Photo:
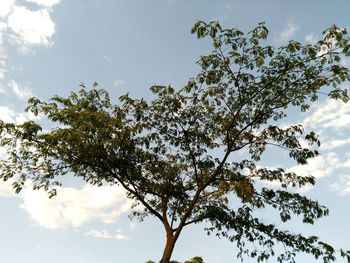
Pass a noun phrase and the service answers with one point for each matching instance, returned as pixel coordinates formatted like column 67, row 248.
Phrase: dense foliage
column 178, row 155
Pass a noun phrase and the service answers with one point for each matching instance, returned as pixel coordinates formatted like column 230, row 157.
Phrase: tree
column 177, row 155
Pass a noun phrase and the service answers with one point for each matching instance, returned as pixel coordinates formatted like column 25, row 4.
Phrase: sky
column 49, row 47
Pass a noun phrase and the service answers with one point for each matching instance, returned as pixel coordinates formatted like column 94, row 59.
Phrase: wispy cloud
column 342, row 186
column 331, row 119
column 331, row 114
column 118, row 82
column 3, row 55
column 289, row 31
column 106, row 58
column 332, row 143
column 105, row 234
column 311, row 38
column 132, row 226
column 21, row 91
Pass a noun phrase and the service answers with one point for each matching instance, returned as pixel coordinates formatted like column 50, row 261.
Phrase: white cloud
column 132, row 226
column 31, row 27
column 346, row 162
column 334, row 143
column 119, row 236
column 289, row 31
column 45, row 3
column 3, row 55
column 6, row 189
column 6, row 114
column 331, row 119
column 107, row 58
column 9, row 115
column 22, row 92
column 311, row 38
column 320, row 166
column 99, row 233
column 24, row 27
column 5, row 7
column 105, row 234
column 118, row 83
column 72, row 207
column 332, row 114
column 342, row 187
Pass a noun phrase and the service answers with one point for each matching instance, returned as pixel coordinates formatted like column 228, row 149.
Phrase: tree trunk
column 168, row 250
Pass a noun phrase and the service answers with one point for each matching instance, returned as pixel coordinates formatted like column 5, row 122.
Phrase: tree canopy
column 179, row 155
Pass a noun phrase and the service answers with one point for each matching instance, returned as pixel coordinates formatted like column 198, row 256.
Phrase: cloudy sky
column 49, row 47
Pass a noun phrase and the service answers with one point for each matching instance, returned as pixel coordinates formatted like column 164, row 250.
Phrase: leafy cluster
column 178, row 154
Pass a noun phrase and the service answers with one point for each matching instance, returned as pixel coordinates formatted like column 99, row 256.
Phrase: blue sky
column 49, row 47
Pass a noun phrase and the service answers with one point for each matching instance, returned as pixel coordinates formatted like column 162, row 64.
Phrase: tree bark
column 168, row 250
